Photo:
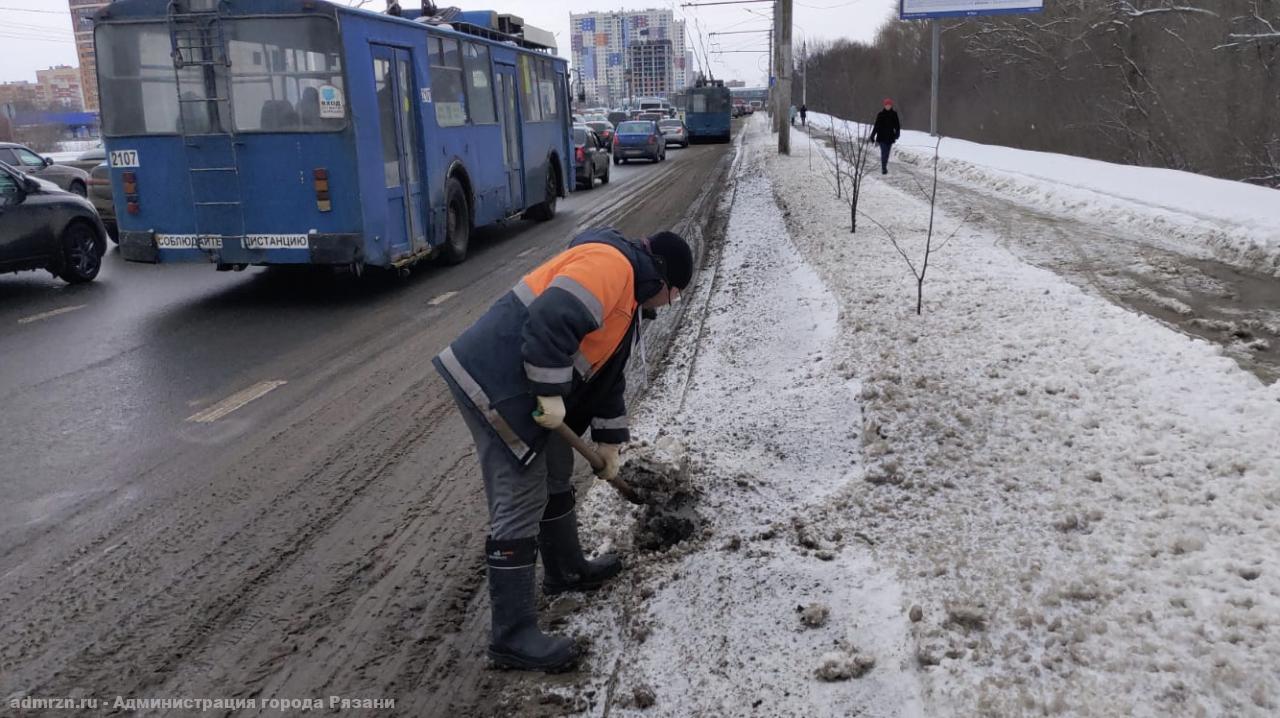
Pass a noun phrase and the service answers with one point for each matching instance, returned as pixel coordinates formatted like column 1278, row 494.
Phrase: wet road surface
column 254, row 484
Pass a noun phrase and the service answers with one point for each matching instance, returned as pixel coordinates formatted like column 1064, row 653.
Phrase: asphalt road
column 253, row 484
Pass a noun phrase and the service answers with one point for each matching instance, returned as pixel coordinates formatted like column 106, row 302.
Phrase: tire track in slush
column 335, row 486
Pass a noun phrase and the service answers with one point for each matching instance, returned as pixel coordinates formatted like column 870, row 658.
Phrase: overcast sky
column 35, row 34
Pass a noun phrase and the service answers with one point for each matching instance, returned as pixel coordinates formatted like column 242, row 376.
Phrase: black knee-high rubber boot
column 567, row 569
column 517, row 642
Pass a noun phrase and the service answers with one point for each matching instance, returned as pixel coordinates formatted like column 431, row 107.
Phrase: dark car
column 88, row 159
column 675, row 132
column 591, row 160
column 43, row 227
column 27, row 161
column 100, row 196
column 636, row 139
column 603, row 130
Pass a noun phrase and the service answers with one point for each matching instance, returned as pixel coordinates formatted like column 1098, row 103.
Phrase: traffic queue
column 638, row 135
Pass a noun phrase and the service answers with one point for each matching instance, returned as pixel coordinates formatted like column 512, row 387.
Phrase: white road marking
column 441, row 299
column 525, row 252
column 53, row 313
column 235, row 401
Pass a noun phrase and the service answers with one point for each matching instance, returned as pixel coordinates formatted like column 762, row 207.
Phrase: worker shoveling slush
column 546, row 362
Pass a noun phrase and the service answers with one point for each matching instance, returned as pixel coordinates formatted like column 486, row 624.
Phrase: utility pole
column 804, row 79
column 768, row 82
column 784, row 80
column 933, row 99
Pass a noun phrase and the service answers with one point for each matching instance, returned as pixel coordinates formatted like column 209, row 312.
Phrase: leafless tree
column 858, row 141
column 921, row 271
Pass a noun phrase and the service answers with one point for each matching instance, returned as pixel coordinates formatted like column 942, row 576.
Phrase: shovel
column 597, row 463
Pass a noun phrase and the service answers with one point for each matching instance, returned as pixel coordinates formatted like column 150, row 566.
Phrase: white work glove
column 612, row 461
column 550, row 413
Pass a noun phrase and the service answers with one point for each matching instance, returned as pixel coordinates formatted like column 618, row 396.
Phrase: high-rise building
column 651, row 68
column 60, row 87
column 82, row 13
column 23, row 94
column 605, row 47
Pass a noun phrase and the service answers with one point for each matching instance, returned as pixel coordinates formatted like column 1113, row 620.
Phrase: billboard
column 922, row 9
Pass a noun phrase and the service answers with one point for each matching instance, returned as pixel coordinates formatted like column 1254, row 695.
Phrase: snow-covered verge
column 1232, row 222
column 1025, row 501
column 717, row 625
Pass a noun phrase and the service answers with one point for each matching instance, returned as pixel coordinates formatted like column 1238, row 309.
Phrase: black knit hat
column 674, row 258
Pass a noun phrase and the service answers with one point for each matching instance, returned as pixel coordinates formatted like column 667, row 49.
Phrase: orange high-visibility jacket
column 565, row 329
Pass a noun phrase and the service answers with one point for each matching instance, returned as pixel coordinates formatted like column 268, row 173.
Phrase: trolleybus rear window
column 285, row 76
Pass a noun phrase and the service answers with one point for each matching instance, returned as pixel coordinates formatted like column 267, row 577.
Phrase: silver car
column 88, row 159
column 675, row 132
column 28, row 162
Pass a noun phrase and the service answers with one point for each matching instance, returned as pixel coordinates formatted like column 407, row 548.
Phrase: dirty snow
column 1025, row 501
column 1232, row 222
column 713, row 627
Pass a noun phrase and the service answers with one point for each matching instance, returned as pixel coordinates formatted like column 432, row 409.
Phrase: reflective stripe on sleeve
column 523, row 292
column 619, row 422
column 583, row 365
column 549, row 375
column 584, row 295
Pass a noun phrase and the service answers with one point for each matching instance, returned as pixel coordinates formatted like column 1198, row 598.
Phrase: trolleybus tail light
column 320, row 177
column 131, row 192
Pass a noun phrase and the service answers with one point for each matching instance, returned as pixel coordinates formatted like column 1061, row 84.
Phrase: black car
column 44, row 227
column 604, row 132
column 590, row 159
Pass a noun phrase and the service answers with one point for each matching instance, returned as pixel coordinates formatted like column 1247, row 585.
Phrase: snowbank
column 1230, row 221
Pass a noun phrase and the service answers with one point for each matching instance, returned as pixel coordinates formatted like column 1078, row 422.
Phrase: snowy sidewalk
column 1025, row 501
column 771, row 420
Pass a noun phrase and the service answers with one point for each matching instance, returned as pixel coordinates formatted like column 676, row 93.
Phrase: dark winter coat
column 565, row 329
column 887, row 128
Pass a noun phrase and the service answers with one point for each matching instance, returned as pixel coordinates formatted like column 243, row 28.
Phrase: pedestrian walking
column 886, row 131
column 553, row 351
column 792, row 115
column 804, row 110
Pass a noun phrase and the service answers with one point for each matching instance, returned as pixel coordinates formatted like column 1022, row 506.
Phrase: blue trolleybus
column 708, row 107
column 253, row 132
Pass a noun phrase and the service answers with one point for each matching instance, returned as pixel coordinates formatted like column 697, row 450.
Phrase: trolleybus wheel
column 546, row 210
column 458, row 223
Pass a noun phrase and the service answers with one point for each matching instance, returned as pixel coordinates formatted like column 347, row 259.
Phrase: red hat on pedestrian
column 888, row 102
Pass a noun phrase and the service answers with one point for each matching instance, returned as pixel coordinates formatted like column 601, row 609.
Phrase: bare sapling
column 835, row 145
column 856, row 169
column 919, row 272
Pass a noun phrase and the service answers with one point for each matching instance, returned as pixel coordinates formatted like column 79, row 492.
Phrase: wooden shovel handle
column 582, row 447
column 597, row 463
